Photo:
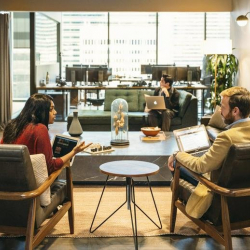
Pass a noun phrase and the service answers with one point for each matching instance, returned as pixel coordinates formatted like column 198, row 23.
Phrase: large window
column 218, row 25
column 132, row 42
column 46, row 40
column 139, row 38
column 21, row 56
column 180, row 38
column 85, row 39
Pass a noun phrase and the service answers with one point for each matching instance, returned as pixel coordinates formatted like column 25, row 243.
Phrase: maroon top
column 36, row 138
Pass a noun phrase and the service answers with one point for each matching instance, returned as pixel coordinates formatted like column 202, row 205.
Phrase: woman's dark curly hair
column 36, row 110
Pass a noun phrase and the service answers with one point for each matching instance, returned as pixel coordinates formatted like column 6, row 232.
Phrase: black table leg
column 130, row 198
column 133, row 220
column 92, row 231
column 156, row 209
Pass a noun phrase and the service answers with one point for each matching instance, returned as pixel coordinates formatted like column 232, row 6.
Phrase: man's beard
column 228, row 119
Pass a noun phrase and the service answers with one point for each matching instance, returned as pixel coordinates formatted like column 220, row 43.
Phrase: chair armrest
column 34, row 193
column 215, row 188
column 205, row 119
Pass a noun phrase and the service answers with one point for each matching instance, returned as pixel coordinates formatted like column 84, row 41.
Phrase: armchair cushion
column 41, row 174
column 216, row 120
column 184, row 101
column 131, row 96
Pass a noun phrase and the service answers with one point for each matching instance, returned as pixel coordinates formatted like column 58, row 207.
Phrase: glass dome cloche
column 119, row 122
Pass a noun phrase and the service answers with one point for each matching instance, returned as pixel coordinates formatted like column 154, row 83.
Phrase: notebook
column 155, row 102
column 193, row 140
column 63, row 144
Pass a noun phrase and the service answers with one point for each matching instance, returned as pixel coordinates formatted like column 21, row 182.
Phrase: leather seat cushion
column 58, row 196
column 185, row 190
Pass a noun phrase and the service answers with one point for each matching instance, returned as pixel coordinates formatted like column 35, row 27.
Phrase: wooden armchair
column 231, row 202
column 20, row 209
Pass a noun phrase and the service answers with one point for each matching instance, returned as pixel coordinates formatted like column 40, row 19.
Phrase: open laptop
column 155, row 102
column 63, row 144
column 193, row 140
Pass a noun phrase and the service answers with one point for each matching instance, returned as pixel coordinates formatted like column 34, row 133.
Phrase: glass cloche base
column 119, row 142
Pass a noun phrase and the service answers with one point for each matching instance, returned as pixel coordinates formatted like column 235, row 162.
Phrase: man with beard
column 235, row 110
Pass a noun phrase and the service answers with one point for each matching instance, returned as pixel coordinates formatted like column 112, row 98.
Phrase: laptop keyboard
column 199, row 153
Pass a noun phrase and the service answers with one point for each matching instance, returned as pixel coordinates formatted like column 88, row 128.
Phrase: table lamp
column 217, row 47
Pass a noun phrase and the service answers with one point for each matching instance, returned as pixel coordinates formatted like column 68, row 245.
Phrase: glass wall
column 139, row 38
column 132, row 42
column 122, row 40
column 180, row 38
column 21, row 56
column 46, row 40
column 218, row 26
column 84, row 39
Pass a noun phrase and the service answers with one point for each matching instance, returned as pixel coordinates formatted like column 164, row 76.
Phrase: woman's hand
column 80, row 147
column 74, row 151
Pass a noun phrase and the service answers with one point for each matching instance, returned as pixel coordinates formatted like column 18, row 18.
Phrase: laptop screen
column 192, row 138
column 62, row 145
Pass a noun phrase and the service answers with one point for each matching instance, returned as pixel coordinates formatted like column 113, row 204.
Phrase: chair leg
column 71, row 216
column 175, row 191
column 30, row 225
column 226, row 224
column 173, row 214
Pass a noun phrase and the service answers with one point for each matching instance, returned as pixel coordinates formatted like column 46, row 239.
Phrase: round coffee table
column 128, row 169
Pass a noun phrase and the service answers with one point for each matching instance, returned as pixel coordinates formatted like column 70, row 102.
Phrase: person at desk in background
column 163, row 118
column 235, row 110
column 30, row 128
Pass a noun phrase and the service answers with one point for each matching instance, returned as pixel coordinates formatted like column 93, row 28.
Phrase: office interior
column 79, row 71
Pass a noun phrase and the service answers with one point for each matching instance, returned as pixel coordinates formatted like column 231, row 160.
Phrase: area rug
column 86, row 200
column 119, row 225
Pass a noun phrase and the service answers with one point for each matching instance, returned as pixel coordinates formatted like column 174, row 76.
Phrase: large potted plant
column 227, row 68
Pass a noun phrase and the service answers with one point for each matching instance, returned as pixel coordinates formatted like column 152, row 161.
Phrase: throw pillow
column 216, row 120
column 146, row 108
column 199, row 201
column 41, row 174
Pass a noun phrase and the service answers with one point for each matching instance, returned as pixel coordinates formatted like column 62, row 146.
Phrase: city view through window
column 121, row 40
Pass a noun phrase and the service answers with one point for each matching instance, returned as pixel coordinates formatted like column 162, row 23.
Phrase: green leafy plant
column 227, row 68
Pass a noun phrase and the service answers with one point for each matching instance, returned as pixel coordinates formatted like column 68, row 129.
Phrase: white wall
column 241, row 41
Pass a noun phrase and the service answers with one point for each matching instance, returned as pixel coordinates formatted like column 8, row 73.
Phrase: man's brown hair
column 238, row 97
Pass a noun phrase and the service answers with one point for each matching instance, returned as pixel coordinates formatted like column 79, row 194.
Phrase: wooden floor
column 126, row 243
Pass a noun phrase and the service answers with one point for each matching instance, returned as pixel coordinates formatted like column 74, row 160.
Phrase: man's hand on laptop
column 81, row 147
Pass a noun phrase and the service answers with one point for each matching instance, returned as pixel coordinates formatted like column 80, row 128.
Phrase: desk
column 192, row 88
column 128, row 169
column 74, row 92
